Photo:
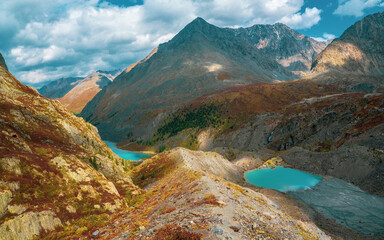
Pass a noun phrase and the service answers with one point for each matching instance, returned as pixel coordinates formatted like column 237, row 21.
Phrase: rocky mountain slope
column 289, row 48
column 357, row 56
column 85, row 89
column 59, row 87
column 200, row 59
column 54, row 169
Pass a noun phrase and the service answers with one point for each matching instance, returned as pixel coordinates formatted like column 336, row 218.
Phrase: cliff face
column 50, row 159
column 200, row 59
column 289, row 48
column 358, row 54
column 76, row 99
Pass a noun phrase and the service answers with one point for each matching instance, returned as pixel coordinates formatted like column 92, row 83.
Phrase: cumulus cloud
column 44, row 40
column 356, row 7
column 325, row 38
column 310, row 17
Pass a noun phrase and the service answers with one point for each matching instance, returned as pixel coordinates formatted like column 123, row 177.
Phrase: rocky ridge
column 289, row 48
column 184, row 198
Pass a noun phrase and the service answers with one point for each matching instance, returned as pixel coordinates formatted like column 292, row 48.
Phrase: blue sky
column 45, row 40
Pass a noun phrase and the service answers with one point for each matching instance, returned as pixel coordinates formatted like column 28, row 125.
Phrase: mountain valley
column 207, row 106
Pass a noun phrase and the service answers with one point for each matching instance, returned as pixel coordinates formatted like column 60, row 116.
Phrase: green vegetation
column 191, row 143
column 201, row 117
column 161, row 148
column 93, row 162
column 231, row 153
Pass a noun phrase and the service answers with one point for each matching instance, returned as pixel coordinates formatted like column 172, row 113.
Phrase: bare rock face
column 51, row 159
column 29, row 225
column 5, row 198
column 289, row 48
column 201, row 58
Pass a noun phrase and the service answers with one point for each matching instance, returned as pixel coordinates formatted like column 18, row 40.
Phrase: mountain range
column 58, row 88
column 76, row 92
column 328, row 110
column 201, row 58
column 212, row 103
column 84, row 91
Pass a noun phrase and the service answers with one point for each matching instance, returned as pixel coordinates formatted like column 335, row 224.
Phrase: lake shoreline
column 127, row 154
column 331, row 197
column 135, row 147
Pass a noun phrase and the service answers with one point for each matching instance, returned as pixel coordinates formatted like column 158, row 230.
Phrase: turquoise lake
column 282, row 179
column 335, row 199
column 127, row 155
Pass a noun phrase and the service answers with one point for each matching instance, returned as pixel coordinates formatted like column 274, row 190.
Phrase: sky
column 45, row 40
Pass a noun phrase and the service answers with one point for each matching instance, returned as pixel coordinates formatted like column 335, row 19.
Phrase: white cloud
column 43, row 40
column 326, row 37
column 356, row 7
column 310, row 17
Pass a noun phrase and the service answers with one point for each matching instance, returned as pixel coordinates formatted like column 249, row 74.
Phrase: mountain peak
column 199, row 20
column 191, row 32
column 2, row 62
column 197, row 25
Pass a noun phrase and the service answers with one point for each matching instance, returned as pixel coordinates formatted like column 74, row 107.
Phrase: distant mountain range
column 59, row 87
column 76, row 92
column 76, row 99
column 201, row 58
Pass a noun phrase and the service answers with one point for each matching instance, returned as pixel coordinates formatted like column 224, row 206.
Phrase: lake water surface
column 282, row 179
column 127, row 155
column 333, row 198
